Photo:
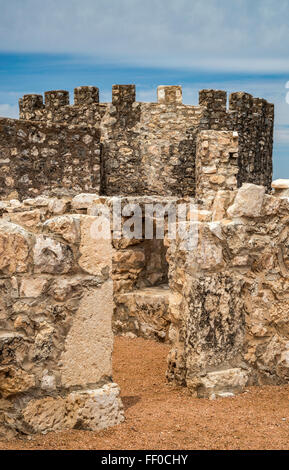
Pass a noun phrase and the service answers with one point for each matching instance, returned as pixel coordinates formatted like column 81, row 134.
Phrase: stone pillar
column 213, row 100
column 29, row 105
column 216, row 164
column 56, row 99
column 170, row 95
column 123, row 95
column 86, row 95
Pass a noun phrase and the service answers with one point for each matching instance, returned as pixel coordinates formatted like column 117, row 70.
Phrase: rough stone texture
column 42, row 157
column 144, row 312
column 55, row 323
column 248, row 202
column 92, row 410
column 230, row 312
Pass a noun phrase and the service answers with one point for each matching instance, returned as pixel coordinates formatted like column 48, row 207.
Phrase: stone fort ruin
column 223, row 306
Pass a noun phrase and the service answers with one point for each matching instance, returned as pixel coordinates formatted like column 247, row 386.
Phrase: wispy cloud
column 216, row 34
column 8, row 110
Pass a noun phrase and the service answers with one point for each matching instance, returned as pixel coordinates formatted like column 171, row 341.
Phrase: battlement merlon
column 30, row 103
column 170, row 94
column 56, row 99
column 86, row 95
column 123, row 95
column 213, row 100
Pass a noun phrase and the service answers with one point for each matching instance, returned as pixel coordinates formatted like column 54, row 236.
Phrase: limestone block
column 91, row 410
column 46, row 414
column 57, row 206
column 219, row 382
column 28, row 219
column 14, row 248
column 96, row 252
column 48, row 381
column 271, row 205
column 42, row 347
column 248, row 201
column 209, row 254
column 13, row 348
column 128, row 260
column 144, row 312
column 280, row 184
column 32, row 287
column 13, row 381
column 68, row 226
column 88, row 345
column 199, row 215
column 40, row 201
column 95, row 409
column 83, row 201
column 50, row 256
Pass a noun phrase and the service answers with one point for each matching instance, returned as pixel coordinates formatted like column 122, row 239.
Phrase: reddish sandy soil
column 159, row 416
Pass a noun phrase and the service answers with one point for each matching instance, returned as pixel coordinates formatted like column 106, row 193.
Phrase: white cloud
column 238, row 35
column 8, row 110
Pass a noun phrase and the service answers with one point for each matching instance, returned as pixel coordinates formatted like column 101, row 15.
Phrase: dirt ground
column 160, row 417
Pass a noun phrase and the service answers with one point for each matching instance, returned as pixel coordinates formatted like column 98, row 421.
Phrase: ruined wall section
column 43, row 157
column 55, row 320
column 230, row 297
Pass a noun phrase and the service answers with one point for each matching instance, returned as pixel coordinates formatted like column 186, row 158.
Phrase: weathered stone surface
column 55, row 158
column 144, row 312
column 147, row 148
column 83, row 201
column 96, row 252
column 13, row 381
column 50, row 256
column 32, row 287
column 248, row 202
column 14, row 248
column 67, row 226
column 280, row 184
column 87, row 355
column 28, row 219
column 56, row 308
column 13, row 348
column 92, row 410
column 219, row 382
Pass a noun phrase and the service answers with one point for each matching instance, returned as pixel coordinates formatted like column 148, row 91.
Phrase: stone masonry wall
column 216, row 164
column 150, row 148
column 48, row 158
column 55, row 320
column 229, row 301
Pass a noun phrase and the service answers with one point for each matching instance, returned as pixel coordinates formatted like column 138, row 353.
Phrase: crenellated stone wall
column 150, row 148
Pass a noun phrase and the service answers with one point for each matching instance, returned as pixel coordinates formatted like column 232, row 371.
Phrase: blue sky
column 237, row 45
